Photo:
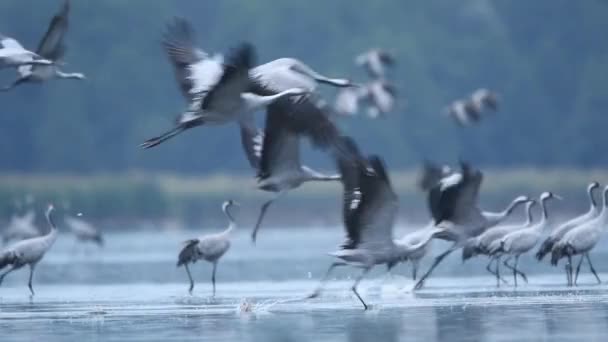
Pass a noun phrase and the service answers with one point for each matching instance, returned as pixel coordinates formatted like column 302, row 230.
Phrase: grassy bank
column 136, row 196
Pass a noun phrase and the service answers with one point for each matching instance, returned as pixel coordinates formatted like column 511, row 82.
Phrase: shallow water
column 131, row 290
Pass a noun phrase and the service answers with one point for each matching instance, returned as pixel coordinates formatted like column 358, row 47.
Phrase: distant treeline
column 546, row 58
column 154, row 198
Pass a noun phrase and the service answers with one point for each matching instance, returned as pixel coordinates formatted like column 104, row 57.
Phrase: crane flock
column 231, row 88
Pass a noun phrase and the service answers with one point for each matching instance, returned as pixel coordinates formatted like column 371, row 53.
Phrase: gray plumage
column 562, row 229
column 29, row 251
column 580, row 240
column 471, row 110
column 210, row 247
column 280, row 169
column 369, row 212
column 378, row 96
column 375, row 62
column 484, row 99
column 453, row 203
column 84, row 231
column 218, row 90
column 521, row 241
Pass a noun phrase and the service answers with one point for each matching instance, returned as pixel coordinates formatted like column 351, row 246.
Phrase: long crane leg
column 319, row 288
column 262, row 214
column 496, row 272
column 599, row 281
column 29, row 283
column 521, row 274
column 213, row 276
column 578, row 269
column 190, row 278
column 569, row 270
column 436, row 262
column 354, row 287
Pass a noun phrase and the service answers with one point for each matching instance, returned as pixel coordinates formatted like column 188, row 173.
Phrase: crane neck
column 51, row 222
column 50, row 237
column 592, row 202
column 254, row 102
column 231, row 222
column 604, row 212
column 499, row 217
column 68, row 75
column 529, row 217
column 404, row 249
column 308, row 71
column 543, row 207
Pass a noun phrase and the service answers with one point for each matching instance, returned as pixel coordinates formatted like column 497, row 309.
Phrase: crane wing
column 279, row 75
column 9, row 43
column 370, row 226
column 234, row 81
column 195, row 71
column 455, row 198
column 52, row 46
column 281, row 146
column 431, row 174
column 252, row 139
column 350, row 175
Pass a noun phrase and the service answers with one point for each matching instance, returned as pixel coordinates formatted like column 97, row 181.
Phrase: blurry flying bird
column 375, row 62
column 52, row 48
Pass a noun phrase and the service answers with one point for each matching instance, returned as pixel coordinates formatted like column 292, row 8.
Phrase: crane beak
column 558, row 197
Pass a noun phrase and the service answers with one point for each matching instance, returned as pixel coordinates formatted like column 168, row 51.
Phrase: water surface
column 131, row 290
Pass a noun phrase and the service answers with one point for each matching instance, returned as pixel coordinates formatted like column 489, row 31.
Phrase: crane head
column 592, row 186
column 548, row 194
column 229, row 203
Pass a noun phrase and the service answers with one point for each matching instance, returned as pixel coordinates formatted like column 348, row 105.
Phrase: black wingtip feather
column 379, row 167
column 188, row 253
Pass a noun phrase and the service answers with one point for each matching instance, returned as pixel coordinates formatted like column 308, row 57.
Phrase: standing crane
column 29, row 251
column 581, row 240
column 209, row 247
column 453, row 203
column 52, row 48
column 490, row 240
column 521, row 241
column 561, row 230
